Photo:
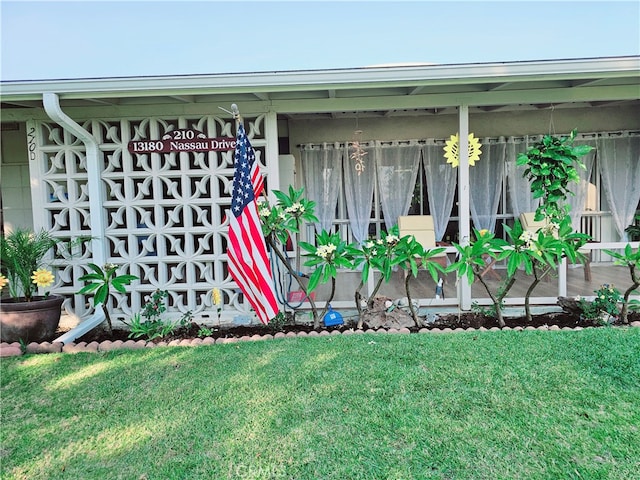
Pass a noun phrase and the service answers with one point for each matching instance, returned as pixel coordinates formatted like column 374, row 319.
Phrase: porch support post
column 271, row 153
column 562, row 277
column 464, row 288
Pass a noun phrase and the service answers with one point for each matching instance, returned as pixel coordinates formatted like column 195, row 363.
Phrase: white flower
column 295, row 208
column 264, row 212
column 392, row 239
column 324, row 251
column 527, row 236
column 369, row 244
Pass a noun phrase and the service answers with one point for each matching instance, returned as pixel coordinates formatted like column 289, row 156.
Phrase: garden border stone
column 15, row 349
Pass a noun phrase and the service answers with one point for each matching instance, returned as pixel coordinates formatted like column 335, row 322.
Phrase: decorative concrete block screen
column 164, row 214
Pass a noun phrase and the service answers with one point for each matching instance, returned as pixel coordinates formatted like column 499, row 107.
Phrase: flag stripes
column 247, row 252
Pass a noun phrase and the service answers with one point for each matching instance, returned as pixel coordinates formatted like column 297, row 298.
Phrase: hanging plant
column 452, row 150
column 551, row 166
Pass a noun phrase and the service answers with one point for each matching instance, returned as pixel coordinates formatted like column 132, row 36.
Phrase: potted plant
column 24, row 315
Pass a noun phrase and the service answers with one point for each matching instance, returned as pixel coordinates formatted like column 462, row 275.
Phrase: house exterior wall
column 188, row 258
column 165, row 214
column 512, row 123
column 15, row 183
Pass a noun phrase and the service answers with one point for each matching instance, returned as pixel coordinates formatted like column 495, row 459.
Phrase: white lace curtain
column 322, row 177
column 358, row 191
column 397, row 170
column 441, row 185
column 580, row 189
column 396, row 165
column 619, row 159
column 518, row 187
column 485, row 184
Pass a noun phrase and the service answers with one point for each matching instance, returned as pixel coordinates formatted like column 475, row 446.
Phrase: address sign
column 183, row 140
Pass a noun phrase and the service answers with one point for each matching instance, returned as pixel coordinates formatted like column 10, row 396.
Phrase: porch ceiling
column 380, row 91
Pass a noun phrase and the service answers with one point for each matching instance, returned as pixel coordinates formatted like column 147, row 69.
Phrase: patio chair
column 529, row 224
column 423, row 231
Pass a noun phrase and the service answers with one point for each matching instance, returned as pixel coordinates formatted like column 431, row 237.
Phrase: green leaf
column 513, row 263
column 365, row 272
column 96, row 269
column 314, row 280
column 124, row 279
column 88, row 288
column 313, row 261
column 307, row 247
column 581, row 150
column 91, row 276
column 101, row 294
column 433, row 270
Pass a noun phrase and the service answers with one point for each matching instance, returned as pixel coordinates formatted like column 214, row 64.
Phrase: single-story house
column 144, row 165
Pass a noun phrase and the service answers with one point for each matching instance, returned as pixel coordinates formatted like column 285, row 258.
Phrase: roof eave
column 363, row 77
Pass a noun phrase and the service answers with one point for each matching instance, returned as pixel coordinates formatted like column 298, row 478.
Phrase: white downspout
column 52, row 107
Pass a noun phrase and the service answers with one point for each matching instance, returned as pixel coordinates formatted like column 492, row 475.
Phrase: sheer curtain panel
column 581, row 188
column 441, row 185
column 518, row 187
column 397, row 169
column 358, row 191
column 619, row 158
column 485, row 182
column 322, row 175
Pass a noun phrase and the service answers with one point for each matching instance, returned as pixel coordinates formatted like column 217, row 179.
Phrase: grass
column 492, row 405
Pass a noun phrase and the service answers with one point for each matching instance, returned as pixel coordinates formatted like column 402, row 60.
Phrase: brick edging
column 15, row 349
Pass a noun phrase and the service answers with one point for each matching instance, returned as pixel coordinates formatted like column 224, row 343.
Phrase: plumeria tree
column 100, row 282
column 472, row 262
column 279, row 221
column 380, row 255
column 327, row 256
column 543, row 251
column 410, row 255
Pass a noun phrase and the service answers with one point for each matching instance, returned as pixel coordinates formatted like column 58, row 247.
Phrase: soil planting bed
column 446, row 321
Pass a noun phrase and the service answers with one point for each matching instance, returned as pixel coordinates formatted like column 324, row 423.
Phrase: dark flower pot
column 34, row 321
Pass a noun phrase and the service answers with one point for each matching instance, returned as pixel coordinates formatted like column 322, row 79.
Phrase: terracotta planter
column 35, row 321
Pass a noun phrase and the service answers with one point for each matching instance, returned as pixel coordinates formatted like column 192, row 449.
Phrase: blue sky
column 73, row 39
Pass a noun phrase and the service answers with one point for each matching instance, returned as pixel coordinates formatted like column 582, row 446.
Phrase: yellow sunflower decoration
column 452, row 150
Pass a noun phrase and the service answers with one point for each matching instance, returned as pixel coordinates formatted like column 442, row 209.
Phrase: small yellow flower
column 215, row 295
column 4, row 281
column 42, row 278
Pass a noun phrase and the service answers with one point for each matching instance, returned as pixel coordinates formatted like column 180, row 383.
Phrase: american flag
column 247, row 252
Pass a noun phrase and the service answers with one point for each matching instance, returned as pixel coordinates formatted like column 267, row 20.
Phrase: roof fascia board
column 478, row 99
column 324, row 79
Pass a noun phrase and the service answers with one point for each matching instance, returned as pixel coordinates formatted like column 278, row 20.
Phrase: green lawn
column 492, row 405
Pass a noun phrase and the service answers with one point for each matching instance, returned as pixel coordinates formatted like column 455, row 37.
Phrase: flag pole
column 235, row 113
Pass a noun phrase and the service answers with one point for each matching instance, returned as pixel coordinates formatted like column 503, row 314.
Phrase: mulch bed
column 446, row 321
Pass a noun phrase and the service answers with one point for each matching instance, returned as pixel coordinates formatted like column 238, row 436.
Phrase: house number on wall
column 183, row 140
